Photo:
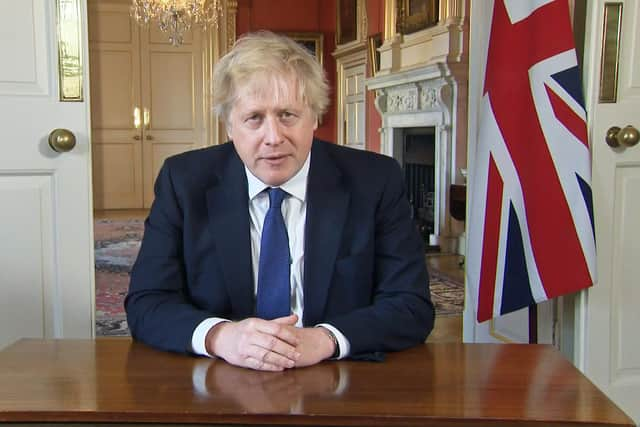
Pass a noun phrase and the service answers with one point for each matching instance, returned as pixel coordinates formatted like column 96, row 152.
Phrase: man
column 340, row 258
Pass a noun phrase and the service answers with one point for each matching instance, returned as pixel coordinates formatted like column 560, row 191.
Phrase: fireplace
column 418, row 108
column 417, row 159
column 421, row 84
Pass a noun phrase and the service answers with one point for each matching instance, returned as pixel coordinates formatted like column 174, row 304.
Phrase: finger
column 265, row 344
column 291, row 319
column 278, row 359
column 283, row 332
column 262, row 365
column 270, row 358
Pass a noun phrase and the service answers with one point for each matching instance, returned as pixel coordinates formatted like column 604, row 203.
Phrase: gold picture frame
column 374, row 42
column 416, row 15
column 313, row 42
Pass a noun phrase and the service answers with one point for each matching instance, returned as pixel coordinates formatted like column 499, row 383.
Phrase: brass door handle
column 137, row 137
column 62, row 140
column 149, row 137
column 628, row 136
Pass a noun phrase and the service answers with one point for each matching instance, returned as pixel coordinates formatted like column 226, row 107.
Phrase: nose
column 272, row 131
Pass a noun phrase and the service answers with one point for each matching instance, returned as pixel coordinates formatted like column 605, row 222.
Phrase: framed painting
column 313, row 42
column 416, row 15
column 347, row 28
column 374, row 42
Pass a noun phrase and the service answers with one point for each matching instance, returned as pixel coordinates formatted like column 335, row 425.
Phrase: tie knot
column 276, row 195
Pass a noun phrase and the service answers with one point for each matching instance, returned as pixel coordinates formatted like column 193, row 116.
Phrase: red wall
column 297, row 16
column 375, row 17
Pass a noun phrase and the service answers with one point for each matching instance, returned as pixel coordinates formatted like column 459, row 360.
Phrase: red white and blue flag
column 530, row 223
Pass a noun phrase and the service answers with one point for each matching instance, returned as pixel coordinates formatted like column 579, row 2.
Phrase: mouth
column 274, row 158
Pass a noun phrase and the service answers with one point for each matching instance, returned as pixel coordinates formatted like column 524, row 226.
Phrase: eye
column 253, row 120
column 288, row 117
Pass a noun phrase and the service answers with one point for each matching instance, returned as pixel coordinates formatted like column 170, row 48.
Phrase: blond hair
column 266, row 56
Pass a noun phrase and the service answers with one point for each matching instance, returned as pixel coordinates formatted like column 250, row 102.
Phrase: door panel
column 110, row 23
column 24, row 74
column 46, row 248
column 625, row 356
column 115, row 94
column 26, row 201
column 172, row 92
column 112, row 72
column 608, row 349
column 354, row 105
column 172, row 105
column 120, row 170
column 350, row 77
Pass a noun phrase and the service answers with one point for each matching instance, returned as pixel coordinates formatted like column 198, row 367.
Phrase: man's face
column 272, row 129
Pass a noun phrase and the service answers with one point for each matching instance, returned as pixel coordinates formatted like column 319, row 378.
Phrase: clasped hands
column 269, row 345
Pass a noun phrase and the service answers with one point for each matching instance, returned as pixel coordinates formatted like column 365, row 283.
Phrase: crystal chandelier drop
column 175, row 17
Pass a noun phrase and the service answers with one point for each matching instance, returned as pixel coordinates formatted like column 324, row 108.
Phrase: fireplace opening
column 418, row 162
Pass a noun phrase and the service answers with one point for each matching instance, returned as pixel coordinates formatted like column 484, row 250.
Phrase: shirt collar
column 296, row 186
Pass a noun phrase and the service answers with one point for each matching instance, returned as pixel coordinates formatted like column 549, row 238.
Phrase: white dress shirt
column 294, row 212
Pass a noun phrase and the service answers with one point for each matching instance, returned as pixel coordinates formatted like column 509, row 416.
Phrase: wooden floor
column 449, row 264
column 120, row 214
column 447, row 329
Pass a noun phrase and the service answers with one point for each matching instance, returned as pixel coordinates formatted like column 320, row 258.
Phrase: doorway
column 148, row 102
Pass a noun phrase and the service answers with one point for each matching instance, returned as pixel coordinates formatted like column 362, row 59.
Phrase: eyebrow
column 257, row 110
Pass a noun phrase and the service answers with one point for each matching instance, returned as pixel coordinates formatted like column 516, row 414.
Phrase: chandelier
column 175, row 17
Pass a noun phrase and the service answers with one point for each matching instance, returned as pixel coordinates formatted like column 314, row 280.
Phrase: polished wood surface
column 115, row 380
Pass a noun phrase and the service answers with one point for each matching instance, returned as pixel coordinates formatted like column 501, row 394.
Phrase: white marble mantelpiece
column 424, row 97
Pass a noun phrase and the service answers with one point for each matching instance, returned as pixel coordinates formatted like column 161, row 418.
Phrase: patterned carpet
column 116, row 247
column 117, row 244
column 447, row 294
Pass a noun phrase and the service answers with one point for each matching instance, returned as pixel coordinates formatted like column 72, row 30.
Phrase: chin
column 276, row 177
column 272, row 179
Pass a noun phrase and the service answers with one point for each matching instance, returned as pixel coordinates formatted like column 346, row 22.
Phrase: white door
column 608, row 345
column 351, row 96
column 46, row 268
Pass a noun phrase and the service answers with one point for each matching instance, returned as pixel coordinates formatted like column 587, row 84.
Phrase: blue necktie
column 274, row 295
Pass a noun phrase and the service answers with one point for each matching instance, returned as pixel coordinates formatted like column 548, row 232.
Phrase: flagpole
column 533, row 324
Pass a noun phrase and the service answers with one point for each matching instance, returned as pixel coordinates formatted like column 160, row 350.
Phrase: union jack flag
column 530, row 223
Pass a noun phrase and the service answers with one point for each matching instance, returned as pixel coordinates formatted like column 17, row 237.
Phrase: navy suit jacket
column 364, row 265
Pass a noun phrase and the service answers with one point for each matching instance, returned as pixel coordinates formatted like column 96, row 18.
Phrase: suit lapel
column 228, row 209
column 328, row 202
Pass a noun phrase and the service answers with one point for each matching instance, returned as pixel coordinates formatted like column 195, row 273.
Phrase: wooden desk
column 116, row 381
